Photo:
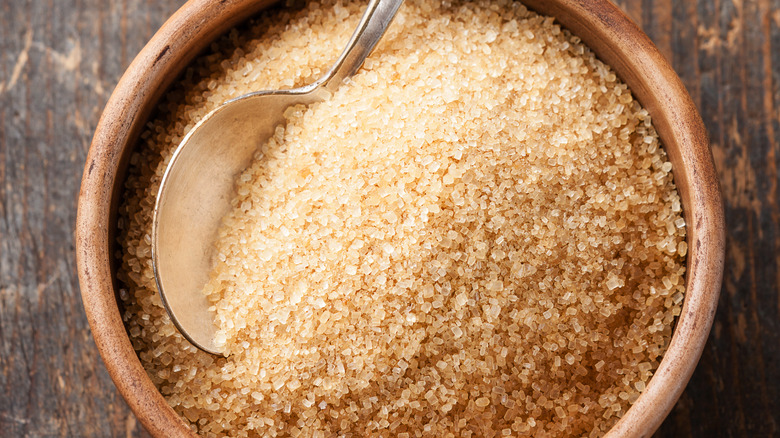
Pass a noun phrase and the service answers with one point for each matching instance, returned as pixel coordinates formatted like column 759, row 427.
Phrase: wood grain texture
column 59, row 60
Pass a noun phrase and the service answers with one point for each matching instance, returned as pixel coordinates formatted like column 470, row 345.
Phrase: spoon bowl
column 197, row 187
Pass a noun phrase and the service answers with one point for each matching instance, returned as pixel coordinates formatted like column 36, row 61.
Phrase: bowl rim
column 600, row 24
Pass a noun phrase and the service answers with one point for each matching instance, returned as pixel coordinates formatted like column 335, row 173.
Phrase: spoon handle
column 373, row 24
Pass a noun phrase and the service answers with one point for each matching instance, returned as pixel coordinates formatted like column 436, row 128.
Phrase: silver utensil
column 198, row 185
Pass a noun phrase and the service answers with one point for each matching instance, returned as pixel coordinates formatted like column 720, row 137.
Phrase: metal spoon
column 198, row 185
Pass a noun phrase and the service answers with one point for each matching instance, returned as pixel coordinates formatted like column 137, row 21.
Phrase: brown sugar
column 477, row 236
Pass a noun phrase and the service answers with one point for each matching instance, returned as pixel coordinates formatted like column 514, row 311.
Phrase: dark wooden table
column 60, row 59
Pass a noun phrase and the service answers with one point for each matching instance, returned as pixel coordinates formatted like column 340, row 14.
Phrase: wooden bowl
column 600, row 24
